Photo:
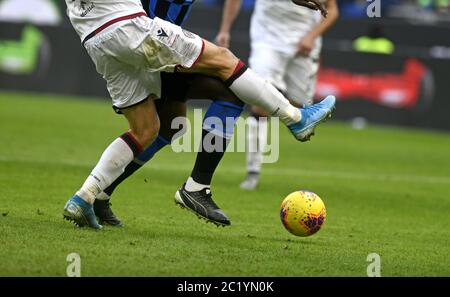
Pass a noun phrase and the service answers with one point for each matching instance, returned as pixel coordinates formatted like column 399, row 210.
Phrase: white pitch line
column 426, row 179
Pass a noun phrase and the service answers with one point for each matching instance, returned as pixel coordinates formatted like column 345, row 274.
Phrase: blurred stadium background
column 391, row 70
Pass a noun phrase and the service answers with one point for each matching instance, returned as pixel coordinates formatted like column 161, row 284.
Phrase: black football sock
column 206, row 162
column 218, row 129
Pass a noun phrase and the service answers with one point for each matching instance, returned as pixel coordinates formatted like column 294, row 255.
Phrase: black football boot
column 202, row 205
column 104, row 213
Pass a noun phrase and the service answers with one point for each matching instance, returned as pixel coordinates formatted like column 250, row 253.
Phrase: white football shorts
column 130, row 54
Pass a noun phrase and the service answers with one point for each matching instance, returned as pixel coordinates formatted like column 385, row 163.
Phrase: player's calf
column 144, row 122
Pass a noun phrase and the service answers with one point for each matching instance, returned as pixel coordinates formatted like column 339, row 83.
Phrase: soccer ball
column 303, row 213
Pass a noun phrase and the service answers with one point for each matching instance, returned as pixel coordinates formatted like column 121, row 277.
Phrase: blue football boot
column 311, row 117
column 80, row 213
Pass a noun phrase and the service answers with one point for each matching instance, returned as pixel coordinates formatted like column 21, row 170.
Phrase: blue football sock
column 156, row 145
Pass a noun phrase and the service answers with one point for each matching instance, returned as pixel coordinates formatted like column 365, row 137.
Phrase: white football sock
column 257, row 139
column 111, row 165
column 193, row 186
column 254, row 90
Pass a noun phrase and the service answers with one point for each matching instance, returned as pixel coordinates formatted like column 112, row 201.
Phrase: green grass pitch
column 386, row 192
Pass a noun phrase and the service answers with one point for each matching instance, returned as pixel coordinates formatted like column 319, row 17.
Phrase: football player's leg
column 225, row 106
column 244, row 82
column 301, row 76
column 271, row 65
column 226, row 109
column 256, row 140
column 254, row 90
column 167, row 111
column 130, row 88
column 217, row 131
column 180, row 47
column 144, row 125
column 171, row 105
